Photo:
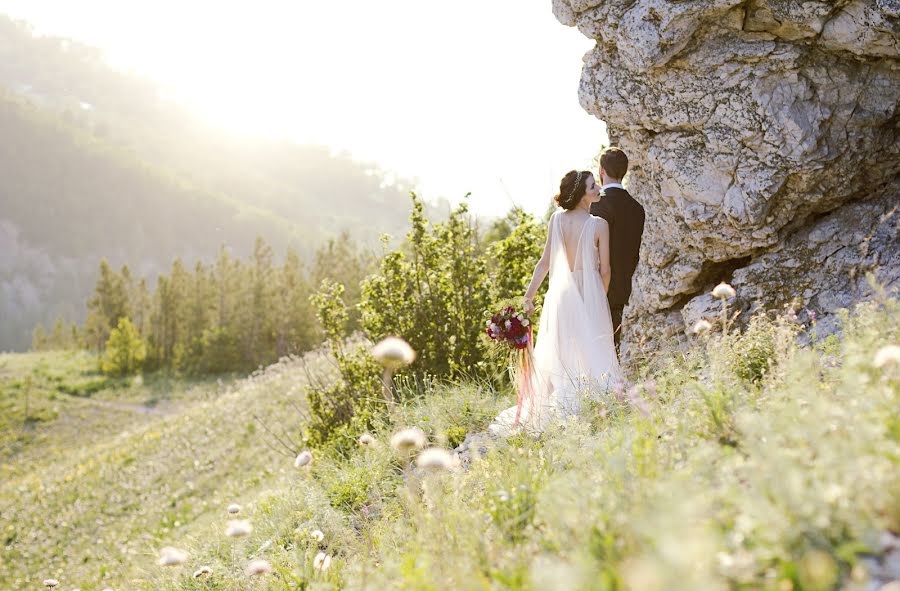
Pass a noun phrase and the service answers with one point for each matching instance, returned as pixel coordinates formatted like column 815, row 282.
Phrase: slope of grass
column 744, row 463
column 100, row 492
column 51, row 402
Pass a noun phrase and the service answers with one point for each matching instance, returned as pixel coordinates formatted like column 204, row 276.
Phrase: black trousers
column 617, row 324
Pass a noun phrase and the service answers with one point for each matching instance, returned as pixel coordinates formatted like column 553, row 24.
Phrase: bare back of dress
column 574, row 354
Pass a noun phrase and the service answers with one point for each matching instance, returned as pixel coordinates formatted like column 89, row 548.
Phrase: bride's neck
column 583, row 206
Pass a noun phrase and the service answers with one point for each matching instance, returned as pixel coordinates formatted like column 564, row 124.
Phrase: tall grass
column 746, row 462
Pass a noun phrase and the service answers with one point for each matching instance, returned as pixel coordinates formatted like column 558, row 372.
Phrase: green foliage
column 433, row 294
column 125, row 351
column 753, row 352
column 511, row 260
column 339, row 412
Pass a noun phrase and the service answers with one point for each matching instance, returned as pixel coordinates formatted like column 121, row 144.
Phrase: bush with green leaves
column 125, row 351
column 434, row 293
column 338, row 412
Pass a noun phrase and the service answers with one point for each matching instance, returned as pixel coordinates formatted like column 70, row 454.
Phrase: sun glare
column 469, row 96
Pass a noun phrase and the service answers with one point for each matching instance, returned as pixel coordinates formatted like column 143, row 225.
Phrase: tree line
column 231, row 315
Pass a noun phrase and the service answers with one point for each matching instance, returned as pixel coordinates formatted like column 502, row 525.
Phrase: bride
column 574, row 355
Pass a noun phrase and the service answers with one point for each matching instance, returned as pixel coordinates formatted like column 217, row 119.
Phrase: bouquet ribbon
column 523, row 361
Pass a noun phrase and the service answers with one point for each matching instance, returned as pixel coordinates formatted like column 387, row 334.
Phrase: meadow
column 747, row 461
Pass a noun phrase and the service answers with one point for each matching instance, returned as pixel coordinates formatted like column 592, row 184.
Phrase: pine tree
column 125, row 351
column 109, row 303
column 39, row 337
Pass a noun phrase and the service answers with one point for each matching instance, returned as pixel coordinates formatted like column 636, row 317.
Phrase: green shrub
column 433, row 293
column 340, row 412
column 125, row 351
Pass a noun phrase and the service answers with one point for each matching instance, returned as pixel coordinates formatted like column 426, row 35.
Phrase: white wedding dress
column 574, row 354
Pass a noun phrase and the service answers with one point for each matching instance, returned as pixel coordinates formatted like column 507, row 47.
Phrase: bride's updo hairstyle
column 571, row 189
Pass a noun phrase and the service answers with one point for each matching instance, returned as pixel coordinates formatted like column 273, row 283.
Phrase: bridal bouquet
column 511, row 330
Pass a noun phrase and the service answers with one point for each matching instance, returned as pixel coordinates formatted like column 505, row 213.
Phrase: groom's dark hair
column 614, row 161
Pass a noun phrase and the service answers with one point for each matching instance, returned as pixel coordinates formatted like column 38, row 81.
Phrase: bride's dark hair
column 571, row 189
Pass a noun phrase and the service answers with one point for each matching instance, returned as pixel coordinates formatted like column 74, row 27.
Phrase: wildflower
column 303, row 459
column 317, row 535
column 259, row 567
column 393, row 353
column 887, row 355
column 366, row 440
column 170, row 556
column 238, row 528
column 51, row 583
column 203, row 571
column 435, row 458
column 724, row 291
column 321, row 562
column 811, row 314
column 701, row 327
column 234, row 508
column 408, row 439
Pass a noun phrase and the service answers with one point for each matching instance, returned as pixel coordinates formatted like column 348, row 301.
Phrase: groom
column 626, row 225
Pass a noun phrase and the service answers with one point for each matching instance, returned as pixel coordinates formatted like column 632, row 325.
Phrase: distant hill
column 93, row 163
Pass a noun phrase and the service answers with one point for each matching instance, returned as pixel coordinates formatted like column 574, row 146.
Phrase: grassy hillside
column 711, row 474
column 91, row 485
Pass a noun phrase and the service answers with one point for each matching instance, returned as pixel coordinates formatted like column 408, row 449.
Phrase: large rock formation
column 764, row 141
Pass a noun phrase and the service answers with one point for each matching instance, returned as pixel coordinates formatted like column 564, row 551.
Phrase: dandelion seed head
column 701, row 327
column 234, row 508
column 170, row 556
column 317, row 535
column 51, row 583
column 724, row 291
column 393, row 353
column 435, row 458
column 238, row 528
column 366, row 440
column 406, row 440
column 203, row 571
column 304, row 458
column 259, row 567
column 321, row 562
column 887, row 355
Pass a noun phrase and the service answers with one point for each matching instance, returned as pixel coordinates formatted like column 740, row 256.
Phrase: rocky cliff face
column 764, row 140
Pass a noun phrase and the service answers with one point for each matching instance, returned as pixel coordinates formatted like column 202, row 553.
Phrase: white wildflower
column 701, row 327
column 259, row 567
column 435, row 458
column 203, row 571
column 238, row 528
column 724, row 291
column 393, row 353
column 170, row 556
column 51, row 583
column 887, row 355
column 234, row 508
column 508, row 324
column 317, row 535
column 321, row 562
column 303, row 459
column 408, row 439
column 366, row 440
column 526, row 322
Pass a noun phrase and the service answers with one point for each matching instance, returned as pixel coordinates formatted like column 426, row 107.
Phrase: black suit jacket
column 626, row 226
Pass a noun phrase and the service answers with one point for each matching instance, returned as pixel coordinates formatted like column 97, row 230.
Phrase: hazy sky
column 471, row 95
